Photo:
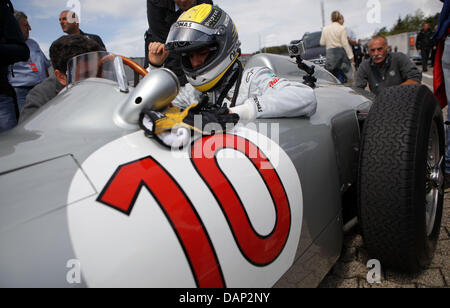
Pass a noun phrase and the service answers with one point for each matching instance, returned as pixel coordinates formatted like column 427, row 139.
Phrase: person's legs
column 7, row 113
column 425, row 57
column 21, row 94
column 339, row 75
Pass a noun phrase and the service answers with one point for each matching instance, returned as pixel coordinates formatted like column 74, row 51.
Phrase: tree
column 410, row 23
column 382, row 32
column 279, row 50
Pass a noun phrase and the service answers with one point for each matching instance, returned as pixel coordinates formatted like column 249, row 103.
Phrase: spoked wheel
column 435, row 179
column 400, row 185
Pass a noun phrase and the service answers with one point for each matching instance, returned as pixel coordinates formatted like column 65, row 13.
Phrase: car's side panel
column 23, row 190
column 311, row 149
column 77, row 122
column 310, row 269
column 346, row 137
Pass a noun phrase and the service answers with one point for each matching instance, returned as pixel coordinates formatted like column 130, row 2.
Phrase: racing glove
column 209, row 119
column 155, row 125
column 174, row 127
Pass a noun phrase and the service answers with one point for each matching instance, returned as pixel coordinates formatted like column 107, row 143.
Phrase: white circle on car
column 227, row 212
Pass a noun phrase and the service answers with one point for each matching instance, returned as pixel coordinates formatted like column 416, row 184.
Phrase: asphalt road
column 427, row 78
column 351, row 271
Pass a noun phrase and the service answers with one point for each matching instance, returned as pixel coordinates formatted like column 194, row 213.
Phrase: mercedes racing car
column 88, row 200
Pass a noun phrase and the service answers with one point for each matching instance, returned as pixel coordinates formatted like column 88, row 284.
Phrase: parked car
column 88, row 200
column 314, row 51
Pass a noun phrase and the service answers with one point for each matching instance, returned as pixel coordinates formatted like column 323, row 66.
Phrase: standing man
column 385, row 69
column 25, row 75
column 424, row 44
column 70, row 24
column 161, row 14
column 12, row 49
column 339, row 52
column 358, row 53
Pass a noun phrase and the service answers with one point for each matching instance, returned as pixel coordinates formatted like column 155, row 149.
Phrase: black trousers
column 425, row 57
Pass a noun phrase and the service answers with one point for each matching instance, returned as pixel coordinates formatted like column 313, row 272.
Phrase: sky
column 260, row 23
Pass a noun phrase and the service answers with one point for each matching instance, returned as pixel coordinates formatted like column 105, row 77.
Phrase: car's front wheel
column 400, row 197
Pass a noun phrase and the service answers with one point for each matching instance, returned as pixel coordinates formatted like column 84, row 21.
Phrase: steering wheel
column 128, row 62
column 134, row 66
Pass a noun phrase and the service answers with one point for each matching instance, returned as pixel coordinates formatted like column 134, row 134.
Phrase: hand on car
column 157, row 53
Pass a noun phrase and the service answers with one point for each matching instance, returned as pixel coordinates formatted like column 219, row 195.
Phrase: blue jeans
column 21, row 94
column 339, row 74
column 446, row 69
column 7, row 113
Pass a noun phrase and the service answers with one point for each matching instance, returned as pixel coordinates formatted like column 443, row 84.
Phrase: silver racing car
column 88, row 200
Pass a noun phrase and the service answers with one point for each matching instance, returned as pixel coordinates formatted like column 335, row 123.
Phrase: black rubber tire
column 392, row 178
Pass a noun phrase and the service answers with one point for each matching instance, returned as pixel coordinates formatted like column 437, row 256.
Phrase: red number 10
column 124, row 186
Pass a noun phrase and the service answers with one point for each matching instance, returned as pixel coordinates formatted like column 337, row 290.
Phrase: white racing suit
column 261, row 95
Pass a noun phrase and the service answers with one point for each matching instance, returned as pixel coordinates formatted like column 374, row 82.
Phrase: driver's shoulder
column 257, row 73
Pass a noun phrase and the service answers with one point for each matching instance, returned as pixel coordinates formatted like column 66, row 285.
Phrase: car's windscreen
column 98, row 64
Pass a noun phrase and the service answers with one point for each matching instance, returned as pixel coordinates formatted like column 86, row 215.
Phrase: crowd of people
column 373, row 64
column 26, row 82
column 31, row 85
column 378, row 67
column 201, row 66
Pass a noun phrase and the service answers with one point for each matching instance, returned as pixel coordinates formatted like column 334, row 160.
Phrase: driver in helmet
column 207, row 40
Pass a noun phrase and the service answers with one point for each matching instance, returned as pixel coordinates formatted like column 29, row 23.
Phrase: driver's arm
column 270, row 96
column 408, row 70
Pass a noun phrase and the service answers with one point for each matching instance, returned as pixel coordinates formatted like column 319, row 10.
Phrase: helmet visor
column 184, row 36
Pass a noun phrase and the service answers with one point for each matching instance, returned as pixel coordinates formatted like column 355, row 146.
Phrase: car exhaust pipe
column 155, row 91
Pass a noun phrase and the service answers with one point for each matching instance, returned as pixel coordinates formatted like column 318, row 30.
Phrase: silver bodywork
column 39, row 159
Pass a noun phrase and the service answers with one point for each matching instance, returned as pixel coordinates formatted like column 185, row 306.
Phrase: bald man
column 385, row 69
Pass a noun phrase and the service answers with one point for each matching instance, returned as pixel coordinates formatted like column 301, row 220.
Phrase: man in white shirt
column 339, row 52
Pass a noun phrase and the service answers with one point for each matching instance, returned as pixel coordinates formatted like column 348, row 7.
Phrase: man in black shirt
column 424, row 44
column 12, row 49
column 161, row 14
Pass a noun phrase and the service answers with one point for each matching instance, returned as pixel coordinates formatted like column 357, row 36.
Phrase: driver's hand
column 157, row 53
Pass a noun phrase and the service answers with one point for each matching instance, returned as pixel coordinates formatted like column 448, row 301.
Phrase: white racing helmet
column 202, row 26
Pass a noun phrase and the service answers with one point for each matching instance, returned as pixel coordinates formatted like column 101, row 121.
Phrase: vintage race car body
column 82, row 190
